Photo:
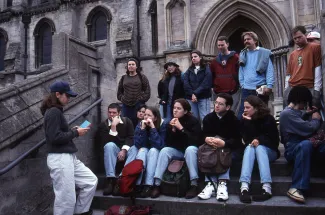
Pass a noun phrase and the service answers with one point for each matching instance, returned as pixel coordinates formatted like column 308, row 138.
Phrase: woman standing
column 261, row 137
column 149, row 138
column 171, row 89
column 197, row 86
column 67, row 172
column 133, row 90
column 183, row 137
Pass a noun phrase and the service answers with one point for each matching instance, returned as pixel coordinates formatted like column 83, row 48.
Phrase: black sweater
column 125, row 134
column 228, row 127
column 264, row 130
column 58, row 135
column 192, row 135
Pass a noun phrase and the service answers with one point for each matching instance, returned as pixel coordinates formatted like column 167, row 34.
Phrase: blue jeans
column 149, row 158
column 131, row 112
column 214, row 178
column 264, row 156
column 166, row 155
column 200, row 108
column 244, row 94
column 168, row 115
column 110, row 157
column 301, row 153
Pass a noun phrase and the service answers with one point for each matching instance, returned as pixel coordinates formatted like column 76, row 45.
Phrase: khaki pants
column 69, row 173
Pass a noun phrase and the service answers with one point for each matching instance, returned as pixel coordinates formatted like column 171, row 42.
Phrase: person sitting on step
column 221, row 122
column 115, row 135
column 261, row 137
column 295, row 131
column 140, row 113
column 183, row 137
column 149, row 138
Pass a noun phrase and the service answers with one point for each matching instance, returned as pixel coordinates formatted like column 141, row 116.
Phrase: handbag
column 214, row 160
column 128, row 210
column 176, row 179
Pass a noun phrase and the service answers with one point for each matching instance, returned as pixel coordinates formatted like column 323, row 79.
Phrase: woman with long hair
column 141, row 109
column 171, row 88
column 183, row 137
column 66, row 170
column 149, row 138
column 197, row 85
column 133, row 90
column 261, row 137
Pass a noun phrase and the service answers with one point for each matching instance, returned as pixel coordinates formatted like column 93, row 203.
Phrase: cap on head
column 170, row 62
column 62, row 87
column 313, row 35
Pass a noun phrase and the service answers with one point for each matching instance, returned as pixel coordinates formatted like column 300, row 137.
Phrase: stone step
column 280, row 185
column 164, row 205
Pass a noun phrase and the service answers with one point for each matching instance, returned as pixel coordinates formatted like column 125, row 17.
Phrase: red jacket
column 225, row 77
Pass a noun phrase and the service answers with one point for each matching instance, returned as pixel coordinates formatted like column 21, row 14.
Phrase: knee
column 249, row 149
column 153, row 152
column 191, row 150
column 109, row 146
column 132, row 150
column 305, row 146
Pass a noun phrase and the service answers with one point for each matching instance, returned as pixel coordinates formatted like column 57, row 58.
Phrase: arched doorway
column 235, row 42
column 231, row 17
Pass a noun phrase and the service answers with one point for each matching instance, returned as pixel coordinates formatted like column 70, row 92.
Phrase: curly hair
column 261, row 108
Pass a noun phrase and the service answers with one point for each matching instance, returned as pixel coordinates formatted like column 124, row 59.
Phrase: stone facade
column 165, row 29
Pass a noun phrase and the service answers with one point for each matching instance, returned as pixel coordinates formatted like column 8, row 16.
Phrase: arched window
column 154, row 26
column 43, row 42
column 3, row 45
column 98, row 24
column 9, row 3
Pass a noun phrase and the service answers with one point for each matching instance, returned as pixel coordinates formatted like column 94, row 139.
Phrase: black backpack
column 176, row 179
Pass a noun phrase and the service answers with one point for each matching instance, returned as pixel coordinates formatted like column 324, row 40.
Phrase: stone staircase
column 279, row 204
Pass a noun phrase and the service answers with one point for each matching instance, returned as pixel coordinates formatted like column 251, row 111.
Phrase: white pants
column 69, row 173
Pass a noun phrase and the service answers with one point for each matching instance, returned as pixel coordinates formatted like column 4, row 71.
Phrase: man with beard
column 256, row 73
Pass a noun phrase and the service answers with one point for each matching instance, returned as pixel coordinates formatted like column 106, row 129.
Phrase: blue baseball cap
column 62, row 87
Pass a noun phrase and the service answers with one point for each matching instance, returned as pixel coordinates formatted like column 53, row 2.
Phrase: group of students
column 184, row 122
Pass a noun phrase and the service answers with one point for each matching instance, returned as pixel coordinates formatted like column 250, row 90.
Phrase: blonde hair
column 251, row 34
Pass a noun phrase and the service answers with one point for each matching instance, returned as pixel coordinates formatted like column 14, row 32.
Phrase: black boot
column 108, row 189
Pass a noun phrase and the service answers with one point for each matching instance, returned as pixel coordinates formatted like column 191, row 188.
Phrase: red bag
column 130, row 173
column 128, row 210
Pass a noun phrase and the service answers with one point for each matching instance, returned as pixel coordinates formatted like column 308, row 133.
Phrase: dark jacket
column 191, row 136
column 225, row 77
column 150, row 138
column 57, row 132
column 198, row 84
column 264, row 130
column 124, row 137
column 228, row 127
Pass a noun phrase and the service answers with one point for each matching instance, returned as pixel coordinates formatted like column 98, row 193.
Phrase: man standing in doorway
column 224, row 70
column 304, row 67
column 256, row 73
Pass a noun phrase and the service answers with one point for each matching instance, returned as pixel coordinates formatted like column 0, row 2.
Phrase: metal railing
column 42, row 142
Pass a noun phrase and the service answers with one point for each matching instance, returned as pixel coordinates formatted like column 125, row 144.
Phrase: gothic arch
column 40, row 24
column 91, row 26
column 274, row 26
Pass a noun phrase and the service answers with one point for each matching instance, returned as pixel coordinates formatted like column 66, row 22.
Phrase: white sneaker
column 222, row 192
column 207, row 192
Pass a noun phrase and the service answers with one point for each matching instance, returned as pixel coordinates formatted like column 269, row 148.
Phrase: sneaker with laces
column 207, row 192
column 222, row 191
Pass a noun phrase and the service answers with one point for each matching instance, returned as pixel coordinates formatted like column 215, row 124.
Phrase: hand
column 255, row 143
column 82, row 131
column 246, row 117
column 150, row 123
column 194, row 99
column 121, row 155
column 209, row 141
column 219, row 142
column 316, row 115
column 143, row 124
column 163, row 102
column 116, row 120
column 267, row 91
column 177, row 124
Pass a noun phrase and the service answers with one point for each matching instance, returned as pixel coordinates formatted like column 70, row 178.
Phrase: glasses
column 219, row 103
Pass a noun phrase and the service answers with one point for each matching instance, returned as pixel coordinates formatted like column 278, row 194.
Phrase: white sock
column 267, row 187
column 244, row 186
